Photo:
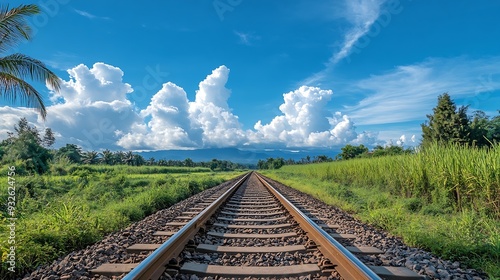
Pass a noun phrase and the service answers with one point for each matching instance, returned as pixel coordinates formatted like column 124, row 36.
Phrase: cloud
column 170, row 125
column 11, row 117
column 408, row 93
column 212, row 114
column 206, row 122
column 246, row 38
column 89, row 15
column 92, row 110
column 177, row 123
column 102, row 83
column 361, row 14
column 305, row 122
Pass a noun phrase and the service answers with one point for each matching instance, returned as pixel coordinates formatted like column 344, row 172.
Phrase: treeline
column 30, row 151
column 276, row 163
column 76, row 155
column 348, row 152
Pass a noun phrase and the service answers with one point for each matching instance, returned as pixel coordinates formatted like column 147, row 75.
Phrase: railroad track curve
column 252, row 230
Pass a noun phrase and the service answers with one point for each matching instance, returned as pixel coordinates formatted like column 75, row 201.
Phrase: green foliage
column 271, row 163
column 25, row 148
column 484, row 131
column 350, row 151
column 389, row 151
column 60, row 165
column 90, row 157
column 16, row 68
column 451, row 176
column 61, row 213
column 70, row 151
column 449, row 125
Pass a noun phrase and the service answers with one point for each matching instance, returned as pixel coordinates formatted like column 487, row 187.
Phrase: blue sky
column 258, row 74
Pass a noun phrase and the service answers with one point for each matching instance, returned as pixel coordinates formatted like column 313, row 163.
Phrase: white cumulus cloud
column 212, row 114
column 306, row 122
column 92, row 110
column 170, row 126
column 177, row 123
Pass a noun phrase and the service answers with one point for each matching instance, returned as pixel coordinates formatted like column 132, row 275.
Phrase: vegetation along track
column 250, row 229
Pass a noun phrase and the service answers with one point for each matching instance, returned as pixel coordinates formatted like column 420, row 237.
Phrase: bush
column 413, row 204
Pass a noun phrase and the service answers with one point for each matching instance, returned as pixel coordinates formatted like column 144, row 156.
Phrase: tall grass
column 453, row 177
column 58, row 214
column 65, row 169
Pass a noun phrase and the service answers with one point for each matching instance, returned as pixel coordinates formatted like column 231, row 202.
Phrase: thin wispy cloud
column 409, row 92
column 62, row 61
column 89, row 15
column 246, row 38
column 360, row 16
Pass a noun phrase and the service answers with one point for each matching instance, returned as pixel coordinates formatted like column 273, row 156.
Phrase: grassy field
column 60, row 213
column 444, row 199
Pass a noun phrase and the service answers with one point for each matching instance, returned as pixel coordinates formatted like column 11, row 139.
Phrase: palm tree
column 91, row 157
column 107, row 157
column 128, row 158
column 15, row 68
column 138, row 160
column 151, row 161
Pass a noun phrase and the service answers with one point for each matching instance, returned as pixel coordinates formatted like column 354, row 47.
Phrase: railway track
column 252, row 230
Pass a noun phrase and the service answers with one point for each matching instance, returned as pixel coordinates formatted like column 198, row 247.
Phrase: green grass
column 443, row 199
column 61, row 213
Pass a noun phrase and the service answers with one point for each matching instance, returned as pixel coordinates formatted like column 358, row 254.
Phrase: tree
column 128, row 158
column 151, row 161
column 390, row 150
column 479, row 129
column 322, row 158
column 188, row 162
column 278, row 163
column 48, row 138
column 16, row 68
column 138, row 160
column 261, row 164
column 107, row 157
column 25, row 146
column 494, row 129
column 91, row 157
column 350, row 151
column 72, row 152
column 446, row 125
column 484, row 131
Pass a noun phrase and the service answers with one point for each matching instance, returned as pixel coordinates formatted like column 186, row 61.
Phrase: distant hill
column 234, row 154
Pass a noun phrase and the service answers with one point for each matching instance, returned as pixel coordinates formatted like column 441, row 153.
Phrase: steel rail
column 345, row 262
column 154, row 265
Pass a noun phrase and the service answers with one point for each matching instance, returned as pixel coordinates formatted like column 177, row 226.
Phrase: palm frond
column 11, row 87
column 23, row 66
column 14, row 26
